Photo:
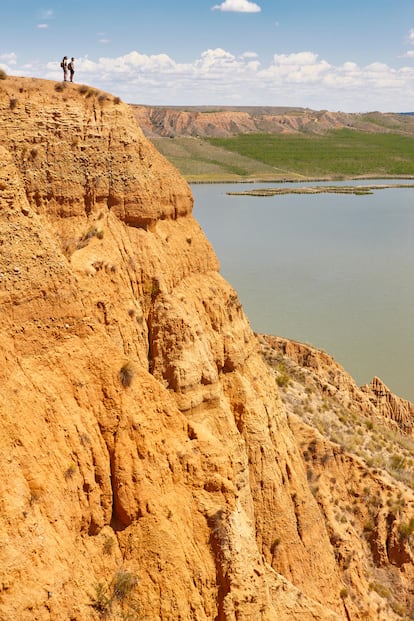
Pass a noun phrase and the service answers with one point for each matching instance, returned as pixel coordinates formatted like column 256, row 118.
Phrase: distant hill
column 212, row 143
column 223, row 121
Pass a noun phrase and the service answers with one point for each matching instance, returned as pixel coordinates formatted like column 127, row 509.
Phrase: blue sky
column 353, row 56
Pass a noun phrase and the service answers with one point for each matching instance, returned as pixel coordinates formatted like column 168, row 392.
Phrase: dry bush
column 126, row 374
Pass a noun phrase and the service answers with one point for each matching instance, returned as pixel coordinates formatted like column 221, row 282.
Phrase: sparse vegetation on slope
column 360, row 472
column 117, row 600
column 291, row 157
column 256, row 143
column 337, row 154
column 199, row 160
column 369, row 439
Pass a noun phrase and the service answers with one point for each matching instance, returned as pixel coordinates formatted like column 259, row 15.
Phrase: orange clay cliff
column 149, row 467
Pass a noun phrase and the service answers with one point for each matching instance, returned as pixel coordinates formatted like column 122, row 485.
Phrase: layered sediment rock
column 215, row 121
column 374, row 400
column 390, row 406
column 148, row 466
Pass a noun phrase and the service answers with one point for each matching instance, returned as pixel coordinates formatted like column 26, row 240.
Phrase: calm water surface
column 336, row 271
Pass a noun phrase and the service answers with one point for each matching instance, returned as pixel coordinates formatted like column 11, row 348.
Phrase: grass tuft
column 126, row 374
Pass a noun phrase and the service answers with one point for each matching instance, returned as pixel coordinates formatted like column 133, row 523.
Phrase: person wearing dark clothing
column 71, row 67
column 64, row 65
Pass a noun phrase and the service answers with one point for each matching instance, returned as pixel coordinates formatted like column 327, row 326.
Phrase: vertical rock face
column 147, row 465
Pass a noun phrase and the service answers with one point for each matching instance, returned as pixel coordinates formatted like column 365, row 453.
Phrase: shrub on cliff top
column 3, row 74
column 87, row 90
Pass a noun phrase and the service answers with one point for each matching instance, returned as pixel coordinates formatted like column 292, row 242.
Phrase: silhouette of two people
column 68, row 68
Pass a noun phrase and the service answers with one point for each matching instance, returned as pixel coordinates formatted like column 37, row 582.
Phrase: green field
column 198, row 160
column 338, row 154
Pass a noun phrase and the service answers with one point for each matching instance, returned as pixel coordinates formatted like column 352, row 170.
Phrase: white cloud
column 134, row 61
column 301, row 67
column 219, row 77
column 48, row 14
column 102, row 37
column 42, row 26
column 294, row 60
column 238, row 6
column 9, row 59
column 216, row 59
column 410, row 39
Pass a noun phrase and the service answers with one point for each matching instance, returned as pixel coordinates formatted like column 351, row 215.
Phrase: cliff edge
column 149, row 468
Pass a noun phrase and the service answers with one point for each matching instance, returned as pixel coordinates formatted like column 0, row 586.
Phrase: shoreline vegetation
column 359, row 190
column 337, row 155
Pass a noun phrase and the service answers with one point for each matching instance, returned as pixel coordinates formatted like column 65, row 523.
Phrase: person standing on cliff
column 64, row 65
column 71, row 67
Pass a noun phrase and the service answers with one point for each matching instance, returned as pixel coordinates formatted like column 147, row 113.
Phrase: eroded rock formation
column 374, row 400
column 224, row 121
column 148, row 465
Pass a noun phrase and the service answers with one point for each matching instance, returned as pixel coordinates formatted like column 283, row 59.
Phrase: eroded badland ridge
column 215, row 121
column 245, row 144
column 149, row 466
